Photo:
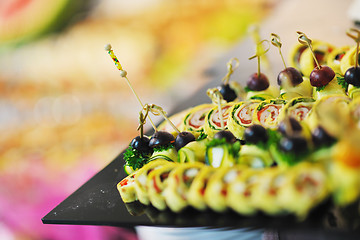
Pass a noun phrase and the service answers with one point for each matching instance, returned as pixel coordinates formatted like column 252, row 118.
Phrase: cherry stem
column 303, row 39
column 217, row 98
column 123, row 74
column 231, row 69
column 260, row 51
column 157, row 110
column 275, row 40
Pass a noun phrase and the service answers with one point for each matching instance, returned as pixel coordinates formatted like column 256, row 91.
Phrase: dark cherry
column 182, row 139
column 291, row 126
column 321, row 77
column 293, row 144
column 321, row 138
column 161, row 138
column 255, row 134
column 227, row 92
column 141, row 144
column 230, row 138
column 352, row 76
column 290, row 75
column 258, row 83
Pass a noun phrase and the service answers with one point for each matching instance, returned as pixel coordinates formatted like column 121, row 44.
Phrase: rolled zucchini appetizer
column 194, row 121
column 220, row 153
column 241, row 116
column 193, row 152
column 255, row 157
column 334, row 58
column 267, row 112
column 126, row 188
column 297, row 108
column 213, row 119
column 303, row 89
column 348, row 60
column 217, row 188
column 265, row 195
column 196, row 193
column 334, row 87
column 141, row 179
column 178, row 185
column 240, row 192
column 306, row 186
column 156, row 183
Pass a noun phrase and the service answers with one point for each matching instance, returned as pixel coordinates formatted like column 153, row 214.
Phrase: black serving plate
column 98, row 202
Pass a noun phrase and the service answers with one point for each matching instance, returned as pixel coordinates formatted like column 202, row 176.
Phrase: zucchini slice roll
column 353, row 91
column 318, row 116
column 217, row 188
column 197, row 189
column 298, row 108
column 194, row 121
column 222, row 154
column 240, row 192
column 156, row 184
column 213, row 119
column 303, row 89
column 348, row 60
column 267, row 112
column 193, row 151
column 141, row 179
column 332, row 88
column 126, row 188
column 178, row 185
column 255, row 157
column 321, row 51
column 334, row 58
column 169, row 154
column 265, row 195
column 241, row 116
column 306, row 187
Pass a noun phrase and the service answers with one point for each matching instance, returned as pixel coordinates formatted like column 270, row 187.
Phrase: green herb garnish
column 135, row 159
column 320, row 88
column 341, row 81
column 163, row 147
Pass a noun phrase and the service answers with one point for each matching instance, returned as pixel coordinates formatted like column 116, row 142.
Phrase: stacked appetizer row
column 258, row 147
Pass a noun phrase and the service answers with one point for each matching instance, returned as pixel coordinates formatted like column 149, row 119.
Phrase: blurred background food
column 65, row 113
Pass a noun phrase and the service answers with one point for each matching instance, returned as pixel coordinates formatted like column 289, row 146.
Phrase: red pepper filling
column 124, row 182
column 273, row 113
column 224, row 114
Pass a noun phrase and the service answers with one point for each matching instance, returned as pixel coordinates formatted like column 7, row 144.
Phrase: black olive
column 161, row 138
column 229, row 136
column 293, row 144
column 291, row 126
column 290, row 75
column 141, row 144
column 255, row 134
column 182, row 139
column 321, row 138
column 258, row 82
column 352, row 76
column 227, row 92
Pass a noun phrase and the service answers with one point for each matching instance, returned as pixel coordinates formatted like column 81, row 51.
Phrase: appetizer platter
column 259, row 155
column 279, row 150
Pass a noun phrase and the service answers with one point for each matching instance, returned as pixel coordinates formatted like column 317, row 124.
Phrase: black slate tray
column 98, row 202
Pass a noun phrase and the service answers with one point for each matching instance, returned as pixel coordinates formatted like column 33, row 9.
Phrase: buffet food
column 259, row 148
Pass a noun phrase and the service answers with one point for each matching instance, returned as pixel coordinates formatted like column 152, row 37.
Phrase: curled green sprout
column 260, row 51
column 275, row 40
column 217, row 98
column 357, row 40
column 303, row 39
column 230, row 69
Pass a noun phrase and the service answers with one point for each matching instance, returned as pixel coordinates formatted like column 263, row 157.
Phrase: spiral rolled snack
column 178, row 185
column 241, row 117
column 126, row 188
column 217, row 188
column 141, row 179
column 194, row 121
column 216, row 119
column 335, row 57
column 267, row 112
column 156, row 183
column 297, row 108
